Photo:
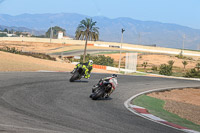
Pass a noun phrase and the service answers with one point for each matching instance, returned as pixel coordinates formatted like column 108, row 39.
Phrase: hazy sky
column 183, row 12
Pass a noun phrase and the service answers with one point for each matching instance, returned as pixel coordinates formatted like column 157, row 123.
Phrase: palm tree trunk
column 85, row 49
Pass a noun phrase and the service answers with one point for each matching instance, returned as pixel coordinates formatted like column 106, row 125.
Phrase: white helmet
column 90, row 62
column 114, row 75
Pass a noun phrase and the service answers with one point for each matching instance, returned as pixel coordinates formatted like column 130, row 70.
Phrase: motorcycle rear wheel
column 98, row 93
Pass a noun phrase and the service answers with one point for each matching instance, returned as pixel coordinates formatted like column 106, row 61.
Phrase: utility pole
column 139, row 38
column 121, row 49
column 198, row 47
column 51, row 33
column 183, row 42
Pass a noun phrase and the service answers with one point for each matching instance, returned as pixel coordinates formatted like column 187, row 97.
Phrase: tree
column 55, row 31
column 5, row 30
column 18, row 33
column 86, row 30
column 144, row 65
column 184, row 64
column 3, row 35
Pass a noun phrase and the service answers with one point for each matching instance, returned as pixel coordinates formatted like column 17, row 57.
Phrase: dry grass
column 14, row 62
column 157, row 60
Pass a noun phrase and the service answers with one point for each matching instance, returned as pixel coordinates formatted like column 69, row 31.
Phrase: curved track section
column 48, row 102
column 79, row 52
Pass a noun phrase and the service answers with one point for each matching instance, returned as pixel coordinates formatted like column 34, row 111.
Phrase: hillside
column 137, row 32
column 14, row 62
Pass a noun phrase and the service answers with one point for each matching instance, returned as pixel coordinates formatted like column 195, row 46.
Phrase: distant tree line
column 54, row 32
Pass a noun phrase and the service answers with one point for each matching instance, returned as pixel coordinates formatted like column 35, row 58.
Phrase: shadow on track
column 103, row 99
column 79, row 81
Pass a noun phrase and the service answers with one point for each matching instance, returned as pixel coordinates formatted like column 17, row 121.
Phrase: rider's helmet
column 114, row 76
column 90, row 62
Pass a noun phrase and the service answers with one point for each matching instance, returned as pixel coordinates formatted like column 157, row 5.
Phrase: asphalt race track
column 79, row 52
column 37, row 102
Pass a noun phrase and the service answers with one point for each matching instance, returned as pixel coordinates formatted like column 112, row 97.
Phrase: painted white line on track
column 153, row 117
column 190, row 131
column 135, row 106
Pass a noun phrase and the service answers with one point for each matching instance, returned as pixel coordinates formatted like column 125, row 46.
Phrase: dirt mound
column 15, row 62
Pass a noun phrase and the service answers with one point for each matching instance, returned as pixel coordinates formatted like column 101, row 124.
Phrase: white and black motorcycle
column 104, row 88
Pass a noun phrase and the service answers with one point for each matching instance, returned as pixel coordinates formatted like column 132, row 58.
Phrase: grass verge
column 155, row 107
column 139, row 74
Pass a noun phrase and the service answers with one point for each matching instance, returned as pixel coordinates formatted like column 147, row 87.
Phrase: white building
column 60, row 35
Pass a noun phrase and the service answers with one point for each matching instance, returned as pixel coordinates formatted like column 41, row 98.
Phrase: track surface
column 79, row 52
column 48, row 102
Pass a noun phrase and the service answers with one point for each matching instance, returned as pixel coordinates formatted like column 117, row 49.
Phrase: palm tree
column 87, row 30
column 184, row 64
column 144, row 65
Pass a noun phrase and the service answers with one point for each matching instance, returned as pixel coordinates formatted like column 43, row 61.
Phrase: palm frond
column 87, row 29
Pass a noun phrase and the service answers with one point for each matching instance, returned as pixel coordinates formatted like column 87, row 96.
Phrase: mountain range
column 136, row 31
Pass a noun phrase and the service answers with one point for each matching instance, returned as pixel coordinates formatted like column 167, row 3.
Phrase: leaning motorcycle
column 103, row 88
column 78, row 74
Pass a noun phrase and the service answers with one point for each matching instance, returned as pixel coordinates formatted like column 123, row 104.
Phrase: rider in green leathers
column 87, row 67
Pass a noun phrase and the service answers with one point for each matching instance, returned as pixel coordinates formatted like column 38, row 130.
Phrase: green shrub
column 165, row 69
column 99, row 60
column 193, row 73
column 180, row 56
column 190, row 58
column 198, row 66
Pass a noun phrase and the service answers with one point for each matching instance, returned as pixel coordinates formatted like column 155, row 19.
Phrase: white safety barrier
column 148, row 50
column 117, row 69
column 101, row 45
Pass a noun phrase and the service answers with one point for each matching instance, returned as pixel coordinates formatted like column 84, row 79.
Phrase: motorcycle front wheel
column 74, row 77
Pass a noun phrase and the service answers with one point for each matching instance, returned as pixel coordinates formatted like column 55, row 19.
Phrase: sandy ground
column 158, row 59
column 161, row 59
column 14, row 62
column 184, row 102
